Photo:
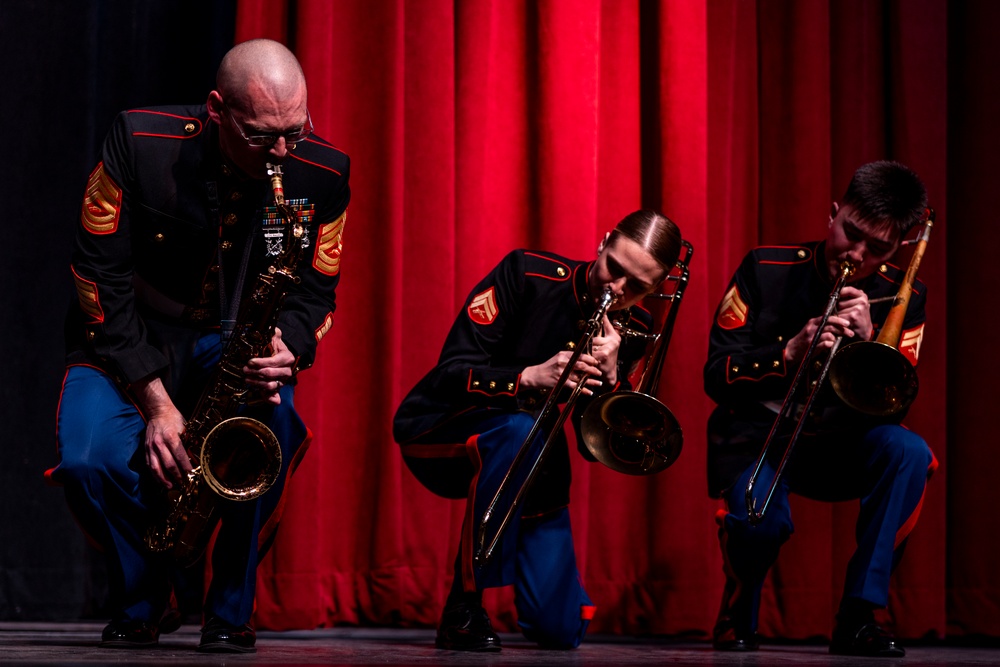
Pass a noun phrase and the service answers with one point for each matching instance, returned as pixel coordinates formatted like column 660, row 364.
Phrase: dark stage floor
column 76, row 644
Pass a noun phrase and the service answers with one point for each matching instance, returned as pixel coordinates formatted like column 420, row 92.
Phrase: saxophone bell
column 240, row 459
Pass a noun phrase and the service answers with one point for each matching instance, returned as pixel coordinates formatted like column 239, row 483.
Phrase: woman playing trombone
column 463, row 424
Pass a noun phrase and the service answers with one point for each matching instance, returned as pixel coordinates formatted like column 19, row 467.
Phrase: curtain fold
column 479, row 126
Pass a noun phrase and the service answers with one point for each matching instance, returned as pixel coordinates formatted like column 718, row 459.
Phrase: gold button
column 226, row 245
column 883, row 268
column 475, row 383
column 780, row 339
column 235, row 195
column 756, row 365
column 230, row 219
column 775, row 363
column 510, row 386
column 736, row 369
column 189, row 128
column 493, row 385
column 570, row 345
column 90, row 335
column 801, row 253
column 158, row 238
column 561, row 272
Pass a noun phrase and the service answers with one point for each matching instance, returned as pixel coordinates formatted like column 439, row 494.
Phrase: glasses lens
column 301, row 134
column 265, row 140
column 261, row 140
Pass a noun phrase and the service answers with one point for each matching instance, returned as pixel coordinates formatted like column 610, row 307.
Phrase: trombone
column 631, row 431
column 873, row 377
column 628, row 431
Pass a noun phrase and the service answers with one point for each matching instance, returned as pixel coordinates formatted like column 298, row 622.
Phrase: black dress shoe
column 220, row 637
column 129, row 634
column 733, row 626
column 870, row 640
column 466, row 627
column 725, row 637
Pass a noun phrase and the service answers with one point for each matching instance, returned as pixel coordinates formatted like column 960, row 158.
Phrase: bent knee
column 519, row 425
column 902, row 447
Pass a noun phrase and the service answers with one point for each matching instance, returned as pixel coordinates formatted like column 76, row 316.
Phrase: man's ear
column 215, row 105
column 834, row 208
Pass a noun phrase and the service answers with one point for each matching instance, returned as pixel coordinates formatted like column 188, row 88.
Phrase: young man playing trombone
column 770, row 321
column 463, row 424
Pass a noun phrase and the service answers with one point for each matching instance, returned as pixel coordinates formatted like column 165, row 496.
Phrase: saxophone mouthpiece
column 274, row 171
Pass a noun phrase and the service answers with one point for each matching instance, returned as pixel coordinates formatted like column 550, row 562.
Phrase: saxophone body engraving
column 234, row 458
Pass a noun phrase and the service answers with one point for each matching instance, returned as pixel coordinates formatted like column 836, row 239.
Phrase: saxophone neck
column 277, row 185
column 294, row 229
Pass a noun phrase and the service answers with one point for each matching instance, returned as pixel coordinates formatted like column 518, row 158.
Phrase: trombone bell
column 874, row 378
column 631, row 433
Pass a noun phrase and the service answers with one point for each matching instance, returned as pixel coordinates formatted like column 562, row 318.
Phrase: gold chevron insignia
column 102, row 204
column 329, row 245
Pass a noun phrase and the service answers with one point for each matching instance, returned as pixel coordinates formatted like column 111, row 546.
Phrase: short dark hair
column 655, row 232
column 887, row 194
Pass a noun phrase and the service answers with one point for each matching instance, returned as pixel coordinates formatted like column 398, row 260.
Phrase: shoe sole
column 478, row 648
column 892, row 653
column 735, row 648
column 221, row 647
column 126, row 644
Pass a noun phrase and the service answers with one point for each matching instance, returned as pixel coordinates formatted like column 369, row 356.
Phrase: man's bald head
column 259, row 66
column 259, row 105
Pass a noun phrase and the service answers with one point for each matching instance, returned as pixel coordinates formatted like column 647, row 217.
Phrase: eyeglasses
column 269, row 139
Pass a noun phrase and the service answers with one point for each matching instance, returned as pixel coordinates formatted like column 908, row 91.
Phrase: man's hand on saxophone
column 267, row 374
column 165, row 453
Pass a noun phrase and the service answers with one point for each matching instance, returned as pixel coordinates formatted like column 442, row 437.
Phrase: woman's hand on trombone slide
column 602, row 362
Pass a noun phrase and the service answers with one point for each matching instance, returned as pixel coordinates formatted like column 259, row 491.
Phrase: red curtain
column 478, row 126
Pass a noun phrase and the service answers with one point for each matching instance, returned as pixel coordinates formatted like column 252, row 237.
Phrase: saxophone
column 234, row 457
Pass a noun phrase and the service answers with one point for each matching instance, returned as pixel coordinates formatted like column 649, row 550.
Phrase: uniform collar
column 580, row 287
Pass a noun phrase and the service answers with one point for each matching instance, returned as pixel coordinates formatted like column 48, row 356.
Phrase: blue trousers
column 886, row 468
column 535, row 554
column 111, row 492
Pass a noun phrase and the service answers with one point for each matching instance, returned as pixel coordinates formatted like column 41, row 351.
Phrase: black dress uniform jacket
column 162, row 207
column 530, row 307
column 775, row 291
